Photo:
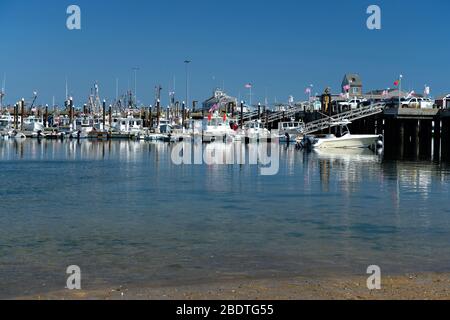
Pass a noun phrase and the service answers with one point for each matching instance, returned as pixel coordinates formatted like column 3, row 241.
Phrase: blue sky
column 279, row 46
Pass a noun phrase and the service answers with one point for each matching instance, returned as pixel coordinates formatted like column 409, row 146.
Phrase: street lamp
column 187, row 62
column 135, row 69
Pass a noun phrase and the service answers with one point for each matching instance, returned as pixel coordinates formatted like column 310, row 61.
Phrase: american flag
column 214, row 108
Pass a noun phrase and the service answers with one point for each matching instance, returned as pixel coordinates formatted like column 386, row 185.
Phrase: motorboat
column 345, row 140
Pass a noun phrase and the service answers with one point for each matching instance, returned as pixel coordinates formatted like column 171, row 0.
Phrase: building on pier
column 220, row 99
column 443, row 101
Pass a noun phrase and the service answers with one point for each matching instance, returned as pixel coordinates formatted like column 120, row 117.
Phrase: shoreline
column 425, row 286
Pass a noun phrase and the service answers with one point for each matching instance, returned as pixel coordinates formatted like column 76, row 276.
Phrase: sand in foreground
column 424, row 286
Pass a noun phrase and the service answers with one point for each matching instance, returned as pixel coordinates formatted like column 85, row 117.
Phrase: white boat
column 14, row 134
column 217, row 129
column 255, row 131
column 5, row 122
column 33, row 124
column 290, row 131
column 346, row 140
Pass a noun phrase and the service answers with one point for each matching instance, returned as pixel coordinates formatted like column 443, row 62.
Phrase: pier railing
column 338, row 119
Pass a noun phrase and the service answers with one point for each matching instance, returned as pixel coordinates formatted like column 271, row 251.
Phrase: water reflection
column 126, row 213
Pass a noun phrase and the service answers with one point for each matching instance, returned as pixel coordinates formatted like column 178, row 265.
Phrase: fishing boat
column 290, row 131
column 33, row 124
column 217, row 128
column 346, row 140
column 254, row 131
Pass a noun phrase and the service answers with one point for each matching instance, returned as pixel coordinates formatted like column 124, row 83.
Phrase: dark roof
column 353, row 79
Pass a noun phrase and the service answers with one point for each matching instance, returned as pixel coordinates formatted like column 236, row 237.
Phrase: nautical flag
column 209, row 117
column 397, row 83
column 308, row 90
column 214, row 108
column 248, row 86
column 427, row 90
column 347, row 87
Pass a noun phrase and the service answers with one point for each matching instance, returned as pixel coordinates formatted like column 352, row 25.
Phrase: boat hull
column 347, row 142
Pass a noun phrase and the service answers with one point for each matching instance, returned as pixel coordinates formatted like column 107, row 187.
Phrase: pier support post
column 425, row 138
column 46, row 116
column 158, row 112
column 437, row 139
column 401, row 139
column 445, row 142
column 150, row 119
column 104, row 115
column 16, row 116
column 242, row 115
column 183, row 114
column 22, row 106
column 110, row 119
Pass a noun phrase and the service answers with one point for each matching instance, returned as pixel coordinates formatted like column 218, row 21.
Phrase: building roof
column 443, row 96
column 353, row 79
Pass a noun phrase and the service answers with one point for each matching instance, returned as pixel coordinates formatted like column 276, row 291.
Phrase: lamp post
column 135, row 69
column 400, row 91
column 187, row 62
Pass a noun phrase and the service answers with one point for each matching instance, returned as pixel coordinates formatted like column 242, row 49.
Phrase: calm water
column 128, row 216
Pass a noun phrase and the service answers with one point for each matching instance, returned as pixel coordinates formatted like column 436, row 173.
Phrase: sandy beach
column 405, row 287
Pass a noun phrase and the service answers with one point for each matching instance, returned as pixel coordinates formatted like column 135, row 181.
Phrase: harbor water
column 128, row 216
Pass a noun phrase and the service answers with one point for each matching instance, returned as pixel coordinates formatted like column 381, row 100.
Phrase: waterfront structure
column 443, row 101
column 220, row 99
column 352, row 84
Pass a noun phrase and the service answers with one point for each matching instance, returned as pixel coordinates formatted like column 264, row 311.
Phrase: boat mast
column 2, row 92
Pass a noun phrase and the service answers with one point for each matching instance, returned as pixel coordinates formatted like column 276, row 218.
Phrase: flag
column 397, row 83
column 427, row 90
column 209, row 117
column 214, row 108
column 225, row 117
column 347, row 87
column 308, row 90
column 248, row 86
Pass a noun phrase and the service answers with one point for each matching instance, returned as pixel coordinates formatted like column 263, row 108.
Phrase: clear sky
column 280, row 47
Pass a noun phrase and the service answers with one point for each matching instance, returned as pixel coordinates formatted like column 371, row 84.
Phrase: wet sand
column 405, row 287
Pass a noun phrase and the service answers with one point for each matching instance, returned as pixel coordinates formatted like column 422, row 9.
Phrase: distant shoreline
column 405, row 287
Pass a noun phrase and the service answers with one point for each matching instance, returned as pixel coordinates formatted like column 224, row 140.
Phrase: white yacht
column 346, row 140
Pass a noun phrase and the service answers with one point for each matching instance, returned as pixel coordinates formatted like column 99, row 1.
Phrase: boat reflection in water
column 125, row 213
